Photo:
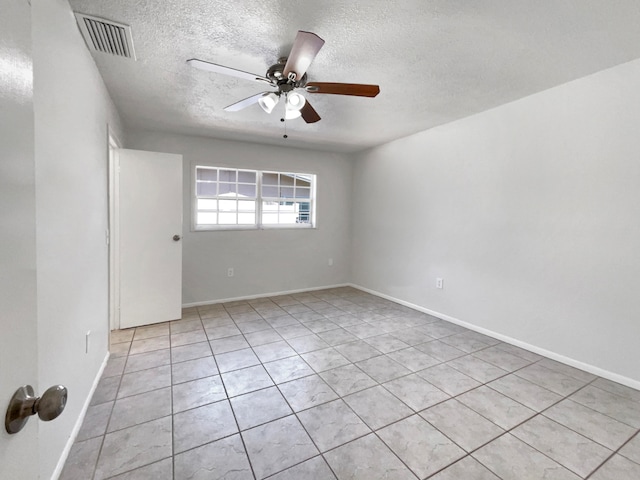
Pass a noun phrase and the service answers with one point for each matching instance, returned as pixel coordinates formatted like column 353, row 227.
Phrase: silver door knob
column 24, row 403
column 176, row 238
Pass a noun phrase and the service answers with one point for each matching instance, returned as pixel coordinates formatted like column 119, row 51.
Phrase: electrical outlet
column 330, row 262
column 439, row 283
column 230, row 272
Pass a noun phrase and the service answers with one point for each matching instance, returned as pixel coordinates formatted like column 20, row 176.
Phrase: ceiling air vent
column 106, row 36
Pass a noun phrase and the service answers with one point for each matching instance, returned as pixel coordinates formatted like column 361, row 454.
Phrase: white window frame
column 258, row 225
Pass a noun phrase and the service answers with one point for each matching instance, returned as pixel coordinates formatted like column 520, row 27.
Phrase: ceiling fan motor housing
column 276, row 75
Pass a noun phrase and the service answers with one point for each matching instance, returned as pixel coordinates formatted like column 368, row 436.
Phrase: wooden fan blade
column 309, row 113
column 247, row 102
column 305, row 48
column 355, row 89
column 213, row 67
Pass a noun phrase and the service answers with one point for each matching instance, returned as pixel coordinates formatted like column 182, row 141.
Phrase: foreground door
column 18, row 321
column 150, row 244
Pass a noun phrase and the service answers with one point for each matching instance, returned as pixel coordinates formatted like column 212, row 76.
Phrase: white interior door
column 150, row 211
column 18, row 313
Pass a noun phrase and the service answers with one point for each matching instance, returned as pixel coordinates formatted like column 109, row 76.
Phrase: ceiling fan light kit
column 268, row 101
column 293, row 105
column 287, row 75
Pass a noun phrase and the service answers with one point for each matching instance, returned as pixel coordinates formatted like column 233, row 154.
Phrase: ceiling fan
column 286, row 76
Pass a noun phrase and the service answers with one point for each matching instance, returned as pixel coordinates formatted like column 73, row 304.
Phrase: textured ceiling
column 435, row 61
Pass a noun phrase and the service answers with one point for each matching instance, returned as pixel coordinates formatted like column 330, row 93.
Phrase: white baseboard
column 78, row 424
column 629, row 382
column 262, row 295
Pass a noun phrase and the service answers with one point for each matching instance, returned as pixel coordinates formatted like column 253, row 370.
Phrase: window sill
column 251, row 227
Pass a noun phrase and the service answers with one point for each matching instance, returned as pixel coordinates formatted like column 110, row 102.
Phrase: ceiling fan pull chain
column 283, row 119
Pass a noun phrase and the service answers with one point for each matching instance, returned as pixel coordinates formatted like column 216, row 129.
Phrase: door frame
column 113, row 233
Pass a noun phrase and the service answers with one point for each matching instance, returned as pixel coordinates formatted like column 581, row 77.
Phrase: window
column 227, row 198
column 286, row 198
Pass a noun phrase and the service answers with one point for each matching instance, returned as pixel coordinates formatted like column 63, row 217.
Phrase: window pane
column 210, row 174
column 287, row 213
column 206, row 204
column 227, row 189
column 269, row 178
column 206, row 218
column 286, row 179
column 286, row 192
column 227, row 205
column 228, row 176
column 303, row 192
column 247, row 177
column 227, row 218
column 247, row 190
column 208, row 189
column 269, row 206
column 301, row 182
column 247, row 205
column 270, row 218
column 304, row 213
column 270, row 192
column 246, row 218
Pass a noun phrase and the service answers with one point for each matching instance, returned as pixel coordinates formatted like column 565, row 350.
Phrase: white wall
column 530, row 212
column 264, row 261
column 72, row 109
column 18, row 332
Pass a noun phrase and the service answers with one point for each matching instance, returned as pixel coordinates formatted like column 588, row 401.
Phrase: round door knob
column 52, row 402
column 176, row 238
column 24, row 403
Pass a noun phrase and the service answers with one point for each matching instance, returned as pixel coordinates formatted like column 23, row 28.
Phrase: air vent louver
column 106, row 36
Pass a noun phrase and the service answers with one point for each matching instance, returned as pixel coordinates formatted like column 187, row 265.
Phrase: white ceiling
column 435, row 61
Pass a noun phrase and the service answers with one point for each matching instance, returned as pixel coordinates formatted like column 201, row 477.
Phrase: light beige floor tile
column 314, row 469
column 197, row 393
column 377, row 407
column 367, row 458
column 307, row 392
column 568, row 448
column 464, row 426
column 223, row 459
column 278, row 445
column 422, row 447
column 512, row 459
column 332, row 424
column 134, row 447
column 256, row 408
column 201, row 425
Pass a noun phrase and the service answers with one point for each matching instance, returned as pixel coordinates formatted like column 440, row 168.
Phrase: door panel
column 150, row 210
column 18, row 319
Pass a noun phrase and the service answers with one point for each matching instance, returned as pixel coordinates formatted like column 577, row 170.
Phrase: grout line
column 235, row 418
column 340, row 397
column 394, row 313
column 104, row 435
column 294, row 413
column 173, row 426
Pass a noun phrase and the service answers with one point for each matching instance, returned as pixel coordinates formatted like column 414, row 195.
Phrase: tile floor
column 342, row 384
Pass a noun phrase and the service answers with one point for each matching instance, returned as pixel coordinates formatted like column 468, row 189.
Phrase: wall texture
column 528, row 211
column 72, row 109
column 264, row 261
